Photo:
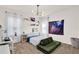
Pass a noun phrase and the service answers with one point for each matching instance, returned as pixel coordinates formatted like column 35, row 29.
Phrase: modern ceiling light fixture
column 38, row 10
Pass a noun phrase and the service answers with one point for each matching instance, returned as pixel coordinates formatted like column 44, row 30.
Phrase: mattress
column 36, row 40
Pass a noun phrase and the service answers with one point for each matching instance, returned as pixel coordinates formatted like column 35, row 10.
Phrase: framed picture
column 32, row 19
column 56, row 27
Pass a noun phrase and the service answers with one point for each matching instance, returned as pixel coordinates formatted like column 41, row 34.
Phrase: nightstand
column 23, row 38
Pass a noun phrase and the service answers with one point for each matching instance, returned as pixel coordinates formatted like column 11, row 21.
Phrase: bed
column 36, row 39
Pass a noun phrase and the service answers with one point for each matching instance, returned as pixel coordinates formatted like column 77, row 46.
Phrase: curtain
column 13, row 26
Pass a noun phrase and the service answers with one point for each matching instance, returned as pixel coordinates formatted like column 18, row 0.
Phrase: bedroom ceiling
column 44, row 9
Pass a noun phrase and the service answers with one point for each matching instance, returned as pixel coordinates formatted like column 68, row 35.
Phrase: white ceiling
column 46, row 9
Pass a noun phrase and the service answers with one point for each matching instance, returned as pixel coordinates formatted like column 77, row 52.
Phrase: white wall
column 2, row 18
column 25, row 26
column 2, row 22
column 71, row 24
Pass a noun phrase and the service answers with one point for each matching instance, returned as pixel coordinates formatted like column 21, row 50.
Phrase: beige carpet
column 26, row 48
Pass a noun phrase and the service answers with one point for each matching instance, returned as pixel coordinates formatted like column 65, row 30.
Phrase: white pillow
column 33, row 34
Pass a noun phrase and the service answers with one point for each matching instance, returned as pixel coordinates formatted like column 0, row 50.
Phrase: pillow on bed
column 33, row 35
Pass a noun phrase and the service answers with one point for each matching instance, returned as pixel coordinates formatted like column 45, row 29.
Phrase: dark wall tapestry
column 56, row 27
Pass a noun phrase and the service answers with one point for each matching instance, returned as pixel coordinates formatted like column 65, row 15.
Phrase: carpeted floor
column 26, row 48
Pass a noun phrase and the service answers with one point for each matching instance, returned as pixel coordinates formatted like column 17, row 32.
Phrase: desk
column 4, row 49
column 4, row 43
